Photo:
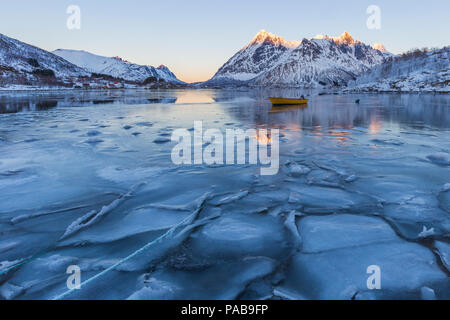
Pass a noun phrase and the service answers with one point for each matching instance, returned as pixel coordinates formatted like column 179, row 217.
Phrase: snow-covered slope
column 21, row 58
column 264, row 51
column 115, row 66
column 322, row 60
column 415, row 71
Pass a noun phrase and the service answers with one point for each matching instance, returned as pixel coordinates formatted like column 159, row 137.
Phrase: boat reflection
column 287, row 108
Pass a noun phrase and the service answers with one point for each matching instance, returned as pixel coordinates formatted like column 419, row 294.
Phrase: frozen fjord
column 86, row 179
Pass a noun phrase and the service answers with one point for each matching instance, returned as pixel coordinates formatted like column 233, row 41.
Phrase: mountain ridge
column 27, row 65
column 268, row 59
column 255, row 57
column 417, row 70
column 115, row 66
column 21, row 60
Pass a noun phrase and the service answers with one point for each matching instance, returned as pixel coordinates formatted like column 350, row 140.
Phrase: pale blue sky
column 194, row 38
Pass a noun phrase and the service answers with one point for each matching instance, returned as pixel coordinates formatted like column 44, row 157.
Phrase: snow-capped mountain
column 115, row 66
column 414, row 71
column 17, row 57
column 264, row 51
column 322, row 60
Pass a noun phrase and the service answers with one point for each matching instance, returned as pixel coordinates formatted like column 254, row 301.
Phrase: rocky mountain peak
column 266, row 37
column 379, row 47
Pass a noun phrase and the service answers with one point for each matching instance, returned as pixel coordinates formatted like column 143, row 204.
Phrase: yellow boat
column 285, row 101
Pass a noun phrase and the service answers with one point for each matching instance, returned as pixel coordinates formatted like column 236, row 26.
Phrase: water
column 82, row 182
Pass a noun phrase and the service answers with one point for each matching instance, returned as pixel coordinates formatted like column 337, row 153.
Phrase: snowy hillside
column 264, row 51
column 323, row 61
column 115, row 66
column 327, row 61
column 20, row 59
column 414, row 71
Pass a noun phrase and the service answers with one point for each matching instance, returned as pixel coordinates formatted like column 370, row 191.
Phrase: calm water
column 82, row 182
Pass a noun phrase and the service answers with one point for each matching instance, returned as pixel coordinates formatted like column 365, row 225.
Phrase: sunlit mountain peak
column 379, row 47
column 344, row 38
column 267, row 37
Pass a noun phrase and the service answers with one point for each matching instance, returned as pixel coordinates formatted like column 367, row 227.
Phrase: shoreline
column 321, row 91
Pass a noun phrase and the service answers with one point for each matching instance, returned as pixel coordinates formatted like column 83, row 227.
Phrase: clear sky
column 195, row 37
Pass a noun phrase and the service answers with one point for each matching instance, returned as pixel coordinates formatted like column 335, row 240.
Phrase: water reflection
column 341, row 112
column 102, row 101
column 195, row 96
column 20, row 106
column 252, row 108
column 162, row 100
column 287, row 108
column 41, row 101
column 375, row 125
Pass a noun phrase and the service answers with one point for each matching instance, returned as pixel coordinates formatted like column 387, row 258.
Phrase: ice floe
column 93, row 216
column 443, row 250
column 160, row 140
column 426, row 232
column 343, row 230
column 297, row 170
column 221, row 281
column 240, row 235
column 333, row 261
column 440, row 158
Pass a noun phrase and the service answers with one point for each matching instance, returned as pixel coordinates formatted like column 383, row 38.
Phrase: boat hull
column 287, row 101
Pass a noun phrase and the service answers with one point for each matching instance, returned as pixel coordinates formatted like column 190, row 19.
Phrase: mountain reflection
column 251, row 108
column 341, row 112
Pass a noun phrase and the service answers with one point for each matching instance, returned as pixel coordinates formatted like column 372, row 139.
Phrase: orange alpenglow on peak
column 264, row 36
column 379, row 47
column 345, row 38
